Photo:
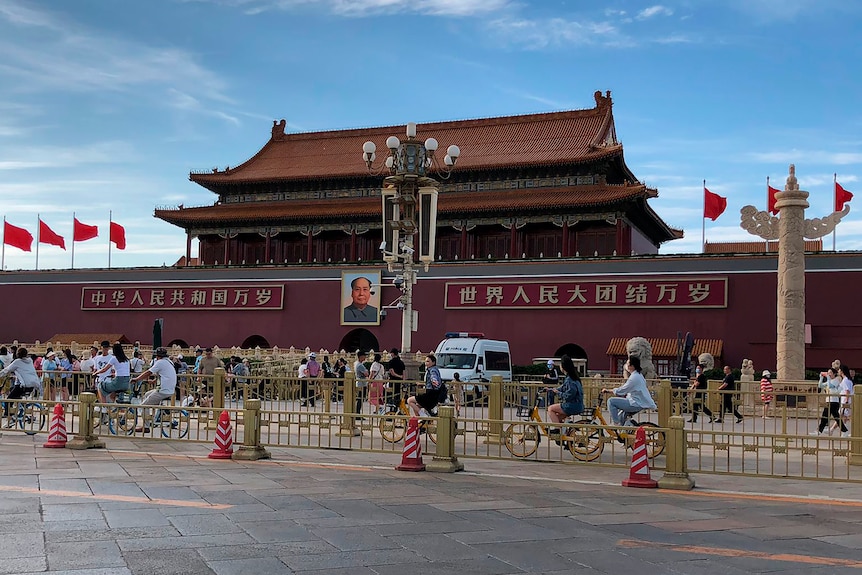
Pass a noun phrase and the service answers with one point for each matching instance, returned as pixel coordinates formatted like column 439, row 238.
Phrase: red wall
column 36, row 306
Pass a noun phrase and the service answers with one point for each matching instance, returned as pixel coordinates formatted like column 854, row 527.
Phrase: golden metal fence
column 268, row 412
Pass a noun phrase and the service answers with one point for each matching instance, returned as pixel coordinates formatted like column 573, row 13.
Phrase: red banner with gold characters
column 183, row 297
column 589, row 294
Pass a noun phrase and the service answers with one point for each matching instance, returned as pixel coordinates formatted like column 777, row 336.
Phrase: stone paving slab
column 156, row 507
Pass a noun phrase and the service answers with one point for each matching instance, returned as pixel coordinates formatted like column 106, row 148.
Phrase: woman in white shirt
column 830, row 384
column 846, row 397
column 26, row 380
column 108, row 388
column 632, row 396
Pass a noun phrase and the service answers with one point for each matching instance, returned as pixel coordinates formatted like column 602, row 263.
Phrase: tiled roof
column 449, row 204
column 528, row 140
column 667, row 347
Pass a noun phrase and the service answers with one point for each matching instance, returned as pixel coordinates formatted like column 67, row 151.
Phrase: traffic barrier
column 639, row 475
column 223, row 439
column 411, row 457
column 57, row 430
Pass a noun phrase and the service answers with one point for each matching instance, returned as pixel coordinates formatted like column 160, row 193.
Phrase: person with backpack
column 434, row 389
column 570, row 395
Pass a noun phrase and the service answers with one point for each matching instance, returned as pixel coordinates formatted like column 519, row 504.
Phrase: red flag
column 48, row 236
column 770, row 195
column 118, row 235
column 83, row 232
column 17, row 237
column 841, row 196
column 713, row 205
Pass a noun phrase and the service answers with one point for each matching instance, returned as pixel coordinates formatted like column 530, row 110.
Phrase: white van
column 473, row 357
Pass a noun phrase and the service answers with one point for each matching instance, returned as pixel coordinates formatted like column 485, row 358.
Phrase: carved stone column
column 790, row 346
column 790, row 228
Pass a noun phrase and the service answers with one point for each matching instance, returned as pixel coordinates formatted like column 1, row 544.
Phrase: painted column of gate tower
column 791, row 229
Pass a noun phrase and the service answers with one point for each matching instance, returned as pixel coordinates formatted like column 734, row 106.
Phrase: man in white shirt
column 163, row 368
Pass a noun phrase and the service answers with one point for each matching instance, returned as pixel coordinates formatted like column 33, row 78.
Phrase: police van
column 473, row 357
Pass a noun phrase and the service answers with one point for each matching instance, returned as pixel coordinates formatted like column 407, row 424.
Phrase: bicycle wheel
column 123, row 421
column 174, row 423
column 587, row 440
column 522, row 439
column 33, row 418
column 393, row 428
column 431, row 430
column 655, row 439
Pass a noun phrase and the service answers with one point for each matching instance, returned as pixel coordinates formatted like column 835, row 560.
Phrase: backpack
column 443, row 393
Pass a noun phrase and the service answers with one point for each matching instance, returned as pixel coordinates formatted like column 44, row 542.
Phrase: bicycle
column 393, row 424
column 523, row 439
column 27, row 414
column 593, row 432
column 120, row 418
column 173, row 422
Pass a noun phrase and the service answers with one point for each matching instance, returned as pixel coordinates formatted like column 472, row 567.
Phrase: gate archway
column 254, row 341
column 573, row 350
column 359, row 338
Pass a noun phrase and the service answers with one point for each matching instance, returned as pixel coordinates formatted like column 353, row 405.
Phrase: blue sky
column 107, row 105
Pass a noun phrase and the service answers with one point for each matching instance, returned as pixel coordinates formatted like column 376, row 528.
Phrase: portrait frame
column 348, row 311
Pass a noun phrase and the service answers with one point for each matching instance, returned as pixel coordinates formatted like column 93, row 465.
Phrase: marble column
column 790, row 345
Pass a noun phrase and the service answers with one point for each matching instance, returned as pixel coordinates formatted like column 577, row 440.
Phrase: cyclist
column 433, row 386
column 164, row 369
column 630, row 397
column 570, row 394
column 26, row 379
column 109, row 387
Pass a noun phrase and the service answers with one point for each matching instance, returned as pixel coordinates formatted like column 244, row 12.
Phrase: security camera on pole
column 409, row 206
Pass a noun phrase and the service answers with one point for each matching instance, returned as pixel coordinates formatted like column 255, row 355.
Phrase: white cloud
column 43, row 157
column 808, row 156
column 653, row 11
column 362, row 8
column 538, row 34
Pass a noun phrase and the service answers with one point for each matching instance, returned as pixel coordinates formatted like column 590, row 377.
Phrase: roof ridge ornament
column 278, row 129
column 603, row 101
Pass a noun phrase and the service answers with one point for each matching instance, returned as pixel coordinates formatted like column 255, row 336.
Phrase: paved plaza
column 147, row 507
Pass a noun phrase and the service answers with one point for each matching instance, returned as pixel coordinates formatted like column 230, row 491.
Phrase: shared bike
column 30, row 415
column 393, row 424
column 585, row 438
column 593, row 432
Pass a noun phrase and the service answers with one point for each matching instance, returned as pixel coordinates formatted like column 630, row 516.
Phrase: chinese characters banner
column 630, row 293
column 245, row 297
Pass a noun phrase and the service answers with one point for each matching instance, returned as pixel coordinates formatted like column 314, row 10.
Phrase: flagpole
column 73, row 240
column 3, row 257
column 703, row 222
column 38, row 238
column 834, row 204
column 110, row 221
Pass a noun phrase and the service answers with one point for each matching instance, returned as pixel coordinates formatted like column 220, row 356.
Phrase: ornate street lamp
column 409, row 207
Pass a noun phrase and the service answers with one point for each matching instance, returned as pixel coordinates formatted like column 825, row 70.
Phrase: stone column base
column 248, row 453
column 444, row 465
column 678, row 481
column 85, row 442
column 855, row 459
column 348, row 432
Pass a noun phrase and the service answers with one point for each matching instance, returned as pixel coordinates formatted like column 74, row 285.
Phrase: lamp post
column 409, row 207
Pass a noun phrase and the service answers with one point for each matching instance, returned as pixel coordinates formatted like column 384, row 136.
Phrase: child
column 766, row 392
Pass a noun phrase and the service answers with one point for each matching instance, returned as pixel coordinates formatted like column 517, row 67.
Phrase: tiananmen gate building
column 544, row 238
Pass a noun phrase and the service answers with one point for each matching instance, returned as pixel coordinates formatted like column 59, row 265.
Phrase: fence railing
column 268, row 412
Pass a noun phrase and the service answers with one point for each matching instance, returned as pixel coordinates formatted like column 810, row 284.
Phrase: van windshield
column 456, row 360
